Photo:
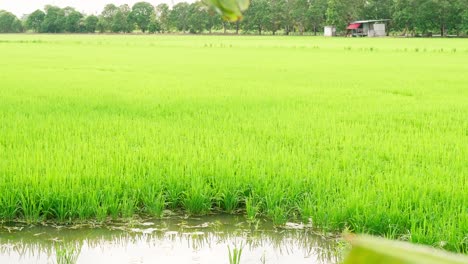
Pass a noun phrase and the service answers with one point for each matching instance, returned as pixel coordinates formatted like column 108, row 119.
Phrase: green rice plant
column 67, row 253
column 154, row 203
column 174, row 192
column 101, row 213
column 197, row 199
column 307, row 208
column 278, row 215
column 230, row 200
column 30, row 207
column 252, row 208
column 235, row 254
column 9, row 205
column 127, row 206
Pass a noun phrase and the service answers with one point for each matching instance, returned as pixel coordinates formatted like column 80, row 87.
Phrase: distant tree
column 154, row 26
column 403, row 15
column 34, row 20
column 316, row 14
column 162, row 16
column 107, row 17
column 122, row 21
column 91, row 23
column 448, row 14
column 54, row 20
column 101, row 25
column 178, row 17
column 141, row 14
column 257, row 16
column 299, row 14
column 198, row 18
column 464, row 17
column 72, row 20
column 377, row 9
column 276, row 17
column 9, row 23
column 288, row 21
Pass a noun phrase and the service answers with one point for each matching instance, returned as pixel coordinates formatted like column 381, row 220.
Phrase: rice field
column 365, row 135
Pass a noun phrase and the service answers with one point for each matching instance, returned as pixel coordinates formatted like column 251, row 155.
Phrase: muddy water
column 175, row 240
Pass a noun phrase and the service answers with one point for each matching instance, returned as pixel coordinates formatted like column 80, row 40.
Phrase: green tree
column 54, row 20
column 141, row 14
column 257, row 16
column 197, row 17
column 154, row 26
column 288, row 21
column 316, row 14
column 275, row 17
column 34, row 20
column 91, row 23
column 72, row 20
column 448, row 14
column 107, row 17
column 463, row 25
column 9, row 23
column 122, row 21
column 377, row 9
column 162, row 16
column 332, row 13
column 403, row 15
column 101, row 25
column 178, row 17
column 299, row 14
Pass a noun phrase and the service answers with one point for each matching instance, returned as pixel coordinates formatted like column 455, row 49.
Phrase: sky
column 22, row 7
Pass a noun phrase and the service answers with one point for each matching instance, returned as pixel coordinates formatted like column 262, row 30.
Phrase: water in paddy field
column 175, row 240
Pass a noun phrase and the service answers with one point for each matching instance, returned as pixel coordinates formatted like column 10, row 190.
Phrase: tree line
column 409, row 17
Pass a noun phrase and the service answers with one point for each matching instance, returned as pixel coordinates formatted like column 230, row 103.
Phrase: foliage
column 231, row 10
column 257, row 16
column 235, row 254
column 142, row 14
column 72, row 21
column 91, row 23
column 9, row 23
column 179, row 17
column 34, row 20
column 54, row 20
column 366, row 249
column 407, row 17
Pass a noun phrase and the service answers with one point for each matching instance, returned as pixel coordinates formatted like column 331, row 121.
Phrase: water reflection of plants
column 65, row 243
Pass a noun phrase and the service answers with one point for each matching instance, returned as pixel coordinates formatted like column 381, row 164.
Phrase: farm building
column 369, row 28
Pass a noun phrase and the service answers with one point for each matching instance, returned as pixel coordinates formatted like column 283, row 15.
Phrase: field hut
column 368, row 28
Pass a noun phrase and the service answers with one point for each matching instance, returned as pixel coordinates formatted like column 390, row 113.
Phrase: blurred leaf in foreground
column 367, row 249
column 231, row 10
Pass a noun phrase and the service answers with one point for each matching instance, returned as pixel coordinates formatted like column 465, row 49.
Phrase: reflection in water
column 202, row 240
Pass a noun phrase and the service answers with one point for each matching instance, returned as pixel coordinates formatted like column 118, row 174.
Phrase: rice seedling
column 235, row 254
column 343, row 138
column 252, row 207
column 67, row 253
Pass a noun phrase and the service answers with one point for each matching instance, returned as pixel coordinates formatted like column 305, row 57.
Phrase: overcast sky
column 21, row 7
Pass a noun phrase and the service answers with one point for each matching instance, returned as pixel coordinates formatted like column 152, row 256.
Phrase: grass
column 368, row 135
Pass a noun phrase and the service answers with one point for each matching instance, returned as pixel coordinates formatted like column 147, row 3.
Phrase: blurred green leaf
column 231, row 10
column 367, row 249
